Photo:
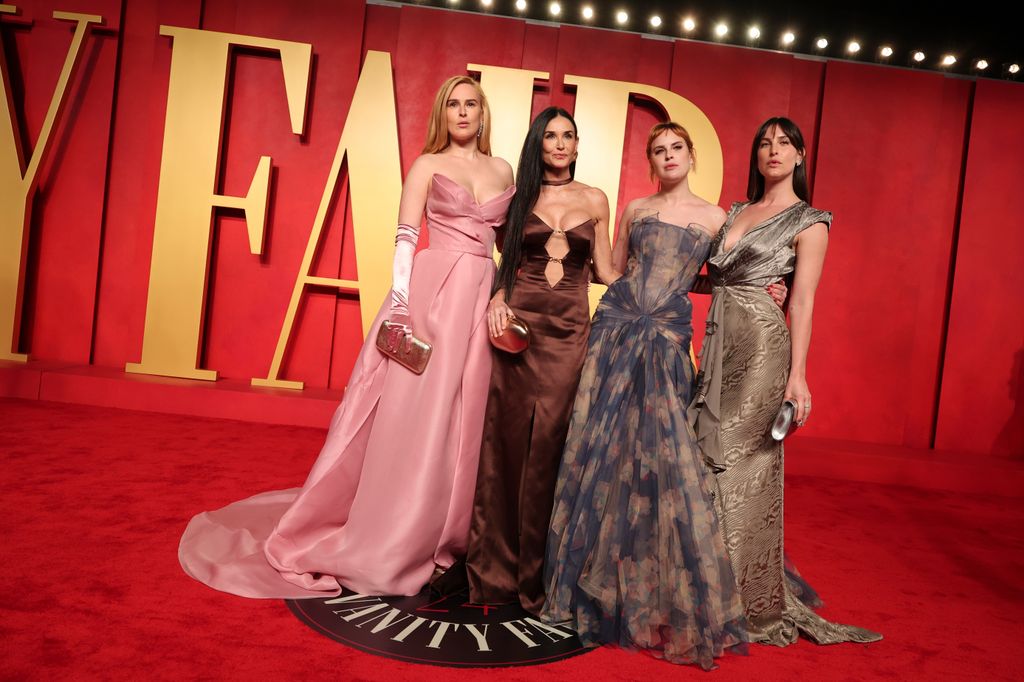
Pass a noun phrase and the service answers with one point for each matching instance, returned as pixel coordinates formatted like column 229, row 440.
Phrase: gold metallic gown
column 745, row 362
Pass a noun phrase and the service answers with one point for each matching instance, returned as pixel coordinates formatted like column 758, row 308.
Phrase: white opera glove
column 401, row 273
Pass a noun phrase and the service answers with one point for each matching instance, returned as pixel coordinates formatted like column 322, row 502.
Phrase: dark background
column 978, row 30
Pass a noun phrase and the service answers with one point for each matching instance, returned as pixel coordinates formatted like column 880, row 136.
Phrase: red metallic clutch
column 515, row 338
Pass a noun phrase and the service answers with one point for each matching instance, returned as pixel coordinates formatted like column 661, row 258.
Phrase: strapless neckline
column 574, row 227
column 694, row 227
column 472, row 199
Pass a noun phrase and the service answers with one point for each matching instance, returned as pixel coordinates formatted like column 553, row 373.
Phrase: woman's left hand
column 797, row 391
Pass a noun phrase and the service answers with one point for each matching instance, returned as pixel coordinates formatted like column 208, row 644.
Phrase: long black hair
column 755, row 182
column 528, row 179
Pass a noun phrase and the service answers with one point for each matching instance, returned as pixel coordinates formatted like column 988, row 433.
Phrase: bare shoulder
column 425, row 164
column 715, row 218
column 499, row 164
column 653, row 204
column 423, row 168
column 815, row 235
column 502, row 168
column 595, row 197
column 630, row 208
column 641, row 207
column 707, row 216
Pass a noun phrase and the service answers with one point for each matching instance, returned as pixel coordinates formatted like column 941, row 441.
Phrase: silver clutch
column 784, row 420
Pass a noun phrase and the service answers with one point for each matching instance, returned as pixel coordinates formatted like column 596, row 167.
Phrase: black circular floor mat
column 438, row 630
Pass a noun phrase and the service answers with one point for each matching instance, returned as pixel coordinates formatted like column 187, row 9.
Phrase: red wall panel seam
column 951, row 276
column 106, row 178
column 818, row 111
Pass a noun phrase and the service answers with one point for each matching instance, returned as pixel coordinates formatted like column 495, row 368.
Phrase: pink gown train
column 391, row 493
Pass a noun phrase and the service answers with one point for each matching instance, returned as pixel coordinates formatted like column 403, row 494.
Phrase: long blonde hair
column 437, row 128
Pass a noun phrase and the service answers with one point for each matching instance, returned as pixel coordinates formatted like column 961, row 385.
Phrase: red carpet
column 94, row 500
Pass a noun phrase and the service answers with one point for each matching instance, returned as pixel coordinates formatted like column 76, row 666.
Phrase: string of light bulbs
column 719, row 31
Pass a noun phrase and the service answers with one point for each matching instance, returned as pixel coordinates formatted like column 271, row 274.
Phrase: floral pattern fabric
column 635, row 556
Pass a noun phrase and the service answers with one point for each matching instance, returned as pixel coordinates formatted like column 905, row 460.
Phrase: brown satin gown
column 528, row 411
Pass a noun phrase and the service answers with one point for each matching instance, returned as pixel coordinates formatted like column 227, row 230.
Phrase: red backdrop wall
column 919, row 327
column 982, row 395
column 890, row 151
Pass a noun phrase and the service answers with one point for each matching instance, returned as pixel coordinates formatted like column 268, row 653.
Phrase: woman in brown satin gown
column 750, row 362
column 555, row 239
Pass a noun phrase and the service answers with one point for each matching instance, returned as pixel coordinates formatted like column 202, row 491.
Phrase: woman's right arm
column 620, row 252
column 414, row 191
column 410, row 215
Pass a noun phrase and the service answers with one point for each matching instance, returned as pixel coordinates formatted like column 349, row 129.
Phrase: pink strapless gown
column 391, row 493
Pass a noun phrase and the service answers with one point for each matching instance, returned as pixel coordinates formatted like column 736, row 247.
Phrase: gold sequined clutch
column 396, row 342
column 515, row 338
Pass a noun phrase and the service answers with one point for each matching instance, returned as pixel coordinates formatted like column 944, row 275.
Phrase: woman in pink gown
column 389, row 498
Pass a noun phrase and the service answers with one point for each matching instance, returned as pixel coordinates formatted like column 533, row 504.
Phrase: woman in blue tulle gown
column 635, row 556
